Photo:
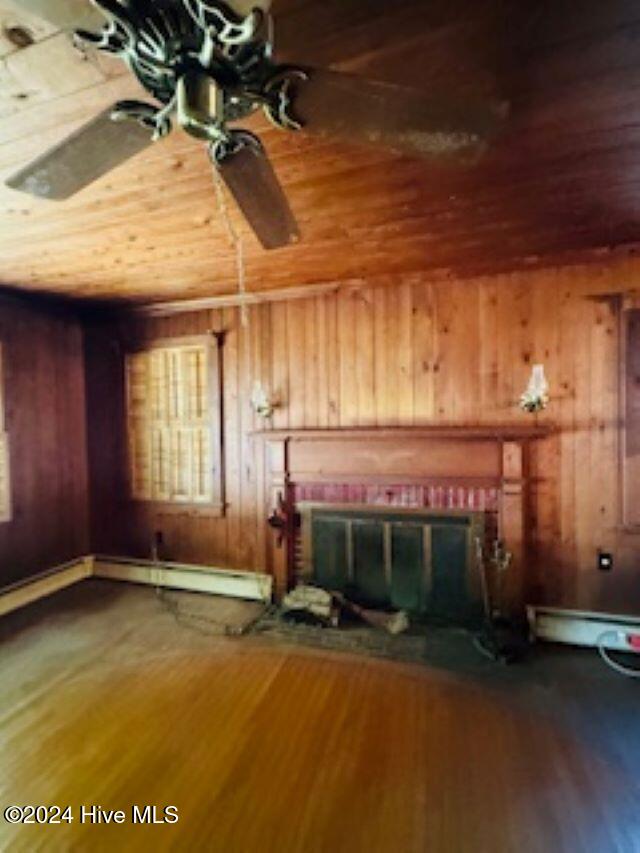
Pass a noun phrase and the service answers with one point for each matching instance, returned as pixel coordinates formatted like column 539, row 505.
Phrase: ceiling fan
column 208, row 64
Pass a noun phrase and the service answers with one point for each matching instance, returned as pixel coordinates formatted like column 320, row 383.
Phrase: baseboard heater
column 40, row 586
column 189, row 578
column 582, row 628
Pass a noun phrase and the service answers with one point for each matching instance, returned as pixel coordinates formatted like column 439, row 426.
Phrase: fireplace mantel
column 504, row 432
column 491, row 457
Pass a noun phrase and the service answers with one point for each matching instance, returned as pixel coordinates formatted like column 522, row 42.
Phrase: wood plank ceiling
column 561, row 182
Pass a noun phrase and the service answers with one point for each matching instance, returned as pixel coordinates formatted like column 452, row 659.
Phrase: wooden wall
column 407, row 353
column 45, row 419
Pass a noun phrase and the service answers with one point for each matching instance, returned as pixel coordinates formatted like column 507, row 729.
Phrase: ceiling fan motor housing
column 200, row 58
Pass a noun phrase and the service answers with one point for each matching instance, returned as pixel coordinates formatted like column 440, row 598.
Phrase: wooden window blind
column 631, row 418
column 173, row 423
column 5, row 480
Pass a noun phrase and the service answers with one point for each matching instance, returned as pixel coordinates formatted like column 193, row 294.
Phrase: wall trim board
column 25, row 592
column 582, row 628
column 190, row 578
column 235, row 300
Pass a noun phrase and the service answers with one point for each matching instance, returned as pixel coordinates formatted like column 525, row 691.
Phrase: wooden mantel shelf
column 506, row 432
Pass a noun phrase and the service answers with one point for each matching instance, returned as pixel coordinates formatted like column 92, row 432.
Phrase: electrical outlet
column 605, row 561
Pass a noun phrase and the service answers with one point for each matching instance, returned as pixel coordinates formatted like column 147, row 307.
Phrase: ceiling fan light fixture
column 199, row 105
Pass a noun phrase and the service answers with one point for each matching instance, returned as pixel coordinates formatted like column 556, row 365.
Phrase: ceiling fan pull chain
column 236, row 241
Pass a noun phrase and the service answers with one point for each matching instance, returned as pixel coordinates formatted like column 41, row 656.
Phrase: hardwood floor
column 107, row 701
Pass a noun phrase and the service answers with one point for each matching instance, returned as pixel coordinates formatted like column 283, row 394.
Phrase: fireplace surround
column 465, row 469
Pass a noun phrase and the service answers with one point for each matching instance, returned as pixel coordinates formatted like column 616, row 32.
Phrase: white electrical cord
column 606, row 657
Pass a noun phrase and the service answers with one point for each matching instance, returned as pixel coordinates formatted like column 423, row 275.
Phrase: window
column 5, row 482
column 631, row 418
column 174, row 423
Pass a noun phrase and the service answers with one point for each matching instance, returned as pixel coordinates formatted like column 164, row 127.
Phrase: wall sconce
column 261, row 402
column 536, row 397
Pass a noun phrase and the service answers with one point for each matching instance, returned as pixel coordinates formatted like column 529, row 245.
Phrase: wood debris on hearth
column 306, row 603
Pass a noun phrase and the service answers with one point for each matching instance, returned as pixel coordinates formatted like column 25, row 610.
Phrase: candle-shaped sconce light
column 262, row 403
column 536, row 397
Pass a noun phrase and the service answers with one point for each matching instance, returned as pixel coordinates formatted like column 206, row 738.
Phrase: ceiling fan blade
column 249, row 176
column 355, row 109
column 86, row 155
column 64, row 14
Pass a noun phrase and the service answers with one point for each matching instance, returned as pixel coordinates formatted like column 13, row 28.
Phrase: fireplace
column 476, row 474
column 419, row 560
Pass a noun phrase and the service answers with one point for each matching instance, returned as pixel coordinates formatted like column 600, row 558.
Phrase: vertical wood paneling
column 545, row 455
column 604, row 508
column 569, row 352
column 582, row 320
column 390, row 403
column 348, row 412
column 404, row 344
column 280, row 362
column 506, row 310
column 322, row 356
column 488, row 322
column 380, row 360
column 416, row 352
column 311, row 368
column 333, row 360
column 45, row 422
column 365, row 358
column 296, row 348
column 423, row 349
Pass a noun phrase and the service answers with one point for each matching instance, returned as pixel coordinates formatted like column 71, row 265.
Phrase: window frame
column 216, row 506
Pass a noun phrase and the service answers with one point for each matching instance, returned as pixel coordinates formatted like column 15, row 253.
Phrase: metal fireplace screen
column 422, row 561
